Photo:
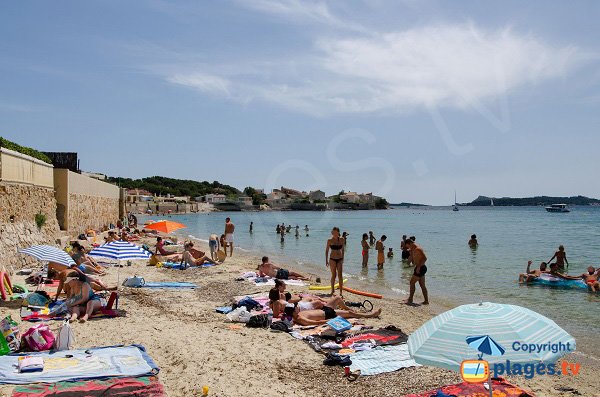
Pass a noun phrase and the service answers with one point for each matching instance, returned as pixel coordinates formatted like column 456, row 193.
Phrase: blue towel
column 169, row 284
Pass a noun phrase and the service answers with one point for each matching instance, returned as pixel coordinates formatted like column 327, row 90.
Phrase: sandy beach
column 195, row 346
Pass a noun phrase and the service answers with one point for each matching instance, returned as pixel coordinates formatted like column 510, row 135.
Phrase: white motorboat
column 557, row 208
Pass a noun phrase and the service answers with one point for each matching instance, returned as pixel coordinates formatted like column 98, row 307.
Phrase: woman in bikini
column 365, row 250
column 81, row 299
column 335, row 261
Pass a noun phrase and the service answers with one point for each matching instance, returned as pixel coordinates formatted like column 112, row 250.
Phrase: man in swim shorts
column 380, row 248
column 321, row 316
column 531, row 275
column 229, row 229
column 418, row 258
column 268, row 269
column 213, row 245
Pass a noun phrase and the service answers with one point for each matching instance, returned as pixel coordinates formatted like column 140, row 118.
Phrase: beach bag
column 258, row 321
column 9, row 336
column 134, row 282
column 39, row 338
column 281, row 326
column 239, row 315
column 64, row 337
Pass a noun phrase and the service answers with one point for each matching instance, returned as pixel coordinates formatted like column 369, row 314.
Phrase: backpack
column 64, row 338
column 39, row 338
column 258, row 321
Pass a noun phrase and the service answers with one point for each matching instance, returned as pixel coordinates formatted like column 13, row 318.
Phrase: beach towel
column 169, row 284
column 500, row 387
column 76, row 365
column 179, row 266
column 380, row 337
column 382, row 359
column 270, row 282
column 45, row 313
column 145, row 386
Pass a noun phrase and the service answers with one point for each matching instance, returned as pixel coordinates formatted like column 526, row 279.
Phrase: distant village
column 283, row 199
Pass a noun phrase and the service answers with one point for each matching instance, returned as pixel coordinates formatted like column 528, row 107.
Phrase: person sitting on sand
column 561, row 259
column 268, row 269
column 81, row 299
column 326, row 313
column 531, row 275
column 84, row 262
column 591, row 279
column 189, row 259
column 160, row 244
column 473, row 241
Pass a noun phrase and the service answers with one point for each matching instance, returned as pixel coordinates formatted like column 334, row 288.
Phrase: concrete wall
column 19, row 168
column 139, row 208
column 84, row 203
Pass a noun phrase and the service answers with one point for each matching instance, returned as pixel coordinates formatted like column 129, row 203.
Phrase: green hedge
column 5, row 143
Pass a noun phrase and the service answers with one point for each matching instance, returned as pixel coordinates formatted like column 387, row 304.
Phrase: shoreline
column 194, row 346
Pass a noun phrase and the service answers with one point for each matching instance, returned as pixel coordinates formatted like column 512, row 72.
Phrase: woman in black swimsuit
column 335, row 261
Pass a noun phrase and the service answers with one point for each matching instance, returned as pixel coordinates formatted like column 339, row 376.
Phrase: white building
column 316, row 195
column 215, row 198
column 244, row 200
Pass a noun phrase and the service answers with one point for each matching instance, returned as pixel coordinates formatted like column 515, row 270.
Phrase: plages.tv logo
column 479, row 370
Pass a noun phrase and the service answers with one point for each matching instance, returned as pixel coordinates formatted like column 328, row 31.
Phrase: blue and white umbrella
column 441, row 342
column 120, row 250
column 486, row 345
column 49, row 253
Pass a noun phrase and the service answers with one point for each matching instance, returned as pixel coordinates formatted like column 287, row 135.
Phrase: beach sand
column 194, row 346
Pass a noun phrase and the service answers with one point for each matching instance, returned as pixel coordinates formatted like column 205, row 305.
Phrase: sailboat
column 491, row 202
column 455, row 206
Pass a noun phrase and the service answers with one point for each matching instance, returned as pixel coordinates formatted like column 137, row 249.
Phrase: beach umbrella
column 165, row 226
column 49, row 253
column 120, row 250
column 493, row 329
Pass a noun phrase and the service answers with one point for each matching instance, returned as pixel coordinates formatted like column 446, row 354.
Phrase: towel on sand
column 147, row 386
column 382, row 359
column 499, row 385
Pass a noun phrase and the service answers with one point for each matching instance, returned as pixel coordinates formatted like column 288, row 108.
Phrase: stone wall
column 91, row 212
column 19, row 205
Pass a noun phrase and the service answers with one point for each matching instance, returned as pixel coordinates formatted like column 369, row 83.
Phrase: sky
column 411, row 100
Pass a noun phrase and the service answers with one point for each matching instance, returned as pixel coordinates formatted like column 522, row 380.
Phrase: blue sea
column 508, row 238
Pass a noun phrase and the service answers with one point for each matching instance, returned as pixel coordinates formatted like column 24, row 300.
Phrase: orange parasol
column 165, row 226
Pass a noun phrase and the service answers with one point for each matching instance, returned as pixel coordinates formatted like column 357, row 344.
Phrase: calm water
column 508, row 237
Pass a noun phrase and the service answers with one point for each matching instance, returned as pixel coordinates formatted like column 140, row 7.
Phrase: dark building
column 64, row 160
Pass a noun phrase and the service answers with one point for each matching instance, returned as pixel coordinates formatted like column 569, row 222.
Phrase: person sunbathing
column 85, row 263
column 279, row 299
column 531, row 275
column 591, row 279
column 63, row 275
column 192, row 257
column 172, row 255
column 81, row 300
column 267, row 269
column 321, row 316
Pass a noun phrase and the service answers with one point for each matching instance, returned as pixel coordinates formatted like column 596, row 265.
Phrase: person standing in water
column 418, row 258
column 404, row 248
column 473, row 241
column 365, row 249
column 561, row 259
column 229, row 230
column 251, row 226
column 297, row 231
column 371, row 239
column 335, row 262
column 306, row 230
column 380, row 252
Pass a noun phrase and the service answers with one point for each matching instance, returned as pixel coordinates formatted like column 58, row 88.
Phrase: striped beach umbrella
column 49, row 253
column 442, row 341
column 486, row 345
column 120, row 250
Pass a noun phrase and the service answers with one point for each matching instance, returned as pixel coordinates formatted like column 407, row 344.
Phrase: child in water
column 390, row 253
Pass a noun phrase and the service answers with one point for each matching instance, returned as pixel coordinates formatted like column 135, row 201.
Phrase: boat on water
column 557, row 208
column 491, row 202
column 455, row 206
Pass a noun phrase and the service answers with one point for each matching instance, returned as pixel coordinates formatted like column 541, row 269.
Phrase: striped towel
column 382, row 359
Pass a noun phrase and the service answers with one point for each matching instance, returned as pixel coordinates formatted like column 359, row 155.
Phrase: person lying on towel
column 266, row 268
column 81, row 301
column 321, row 316
column 279, row 300
column 63, row 275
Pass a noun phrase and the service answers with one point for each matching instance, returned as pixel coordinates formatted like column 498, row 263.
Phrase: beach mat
column 382, row 359
column 77, row 365
column 44, row 314
column 270, row 282
column 179, row 266
column 499, row 385
column 389, row 335
column 145, row 386
column 319, row 336
column 169, row 284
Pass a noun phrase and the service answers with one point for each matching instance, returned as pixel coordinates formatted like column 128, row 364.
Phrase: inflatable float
column 324, row 287
column 548, row 280
column 363, row 293
column 5, row 286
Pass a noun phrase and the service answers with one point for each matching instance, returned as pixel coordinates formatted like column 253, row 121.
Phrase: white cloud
column 434, row 66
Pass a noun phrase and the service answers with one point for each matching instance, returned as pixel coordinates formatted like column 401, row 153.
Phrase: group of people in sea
column 282, row 230
column 557, row 269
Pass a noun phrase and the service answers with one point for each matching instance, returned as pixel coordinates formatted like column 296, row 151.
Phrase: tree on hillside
column 257, row 198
